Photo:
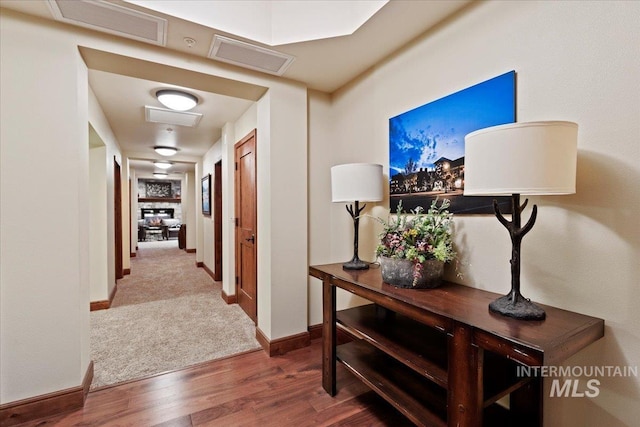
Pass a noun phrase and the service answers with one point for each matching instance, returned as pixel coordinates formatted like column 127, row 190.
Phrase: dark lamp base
column 516, row 306
column 355, row 264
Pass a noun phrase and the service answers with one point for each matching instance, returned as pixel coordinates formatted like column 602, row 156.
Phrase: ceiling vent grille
column 170, row 117
column 249, row 56
column 111, row 18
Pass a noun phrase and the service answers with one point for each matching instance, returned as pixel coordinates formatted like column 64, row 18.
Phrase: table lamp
column 536, row 158
column 356, row 182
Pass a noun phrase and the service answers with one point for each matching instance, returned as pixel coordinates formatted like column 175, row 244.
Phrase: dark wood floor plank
column 247, row 390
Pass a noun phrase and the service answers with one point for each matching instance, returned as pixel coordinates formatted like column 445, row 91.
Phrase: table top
column 561, row 334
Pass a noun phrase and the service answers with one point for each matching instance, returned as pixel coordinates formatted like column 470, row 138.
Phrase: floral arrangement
column 418, row 238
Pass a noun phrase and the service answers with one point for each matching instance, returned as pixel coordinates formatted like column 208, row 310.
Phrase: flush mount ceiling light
column 165, row 151
column 176, row 99
column 163, row 165
column 160, row 174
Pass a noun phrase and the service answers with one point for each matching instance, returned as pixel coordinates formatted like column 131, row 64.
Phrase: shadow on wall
column 607, row 192
column 616, row 402
column 605, row 207
column 600, row 280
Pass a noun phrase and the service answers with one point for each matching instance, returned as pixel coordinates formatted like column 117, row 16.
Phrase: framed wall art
column 158, row 189
column 426, row 146
column 206, row 195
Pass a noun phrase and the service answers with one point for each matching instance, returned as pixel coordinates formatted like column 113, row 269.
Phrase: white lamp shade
column 521, row 158
column 360, row 182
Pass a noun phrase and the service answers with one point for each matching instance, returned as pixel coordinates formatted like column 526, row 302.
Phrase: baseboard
column 126, row 271
column 229, row 299
column 199, row 264
column 207, row 269
column 103, row 305
column 99, row 305
column 86, row 382
column 133, row 254
column 283, row 345
column 46, row 405
column 190, row 251
column 315, row 331
column 342, row 337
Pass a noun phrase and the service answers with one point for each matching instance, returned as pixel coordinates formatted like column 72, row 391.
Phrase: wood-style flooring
column 251, row 389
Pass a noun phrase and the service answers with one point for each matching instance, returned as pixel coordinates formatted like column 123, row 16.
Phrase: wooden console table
column 439, row 355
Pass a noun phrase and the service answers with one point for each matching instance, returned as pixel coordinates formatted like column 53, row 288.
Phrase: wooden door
column 217, row 221
column 117, row 216
column 246, row 232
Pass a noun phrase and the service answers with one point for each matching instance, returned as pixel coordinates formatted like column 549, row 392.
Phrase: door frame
column 217, row 221
column 117, row 218
column 238, row 248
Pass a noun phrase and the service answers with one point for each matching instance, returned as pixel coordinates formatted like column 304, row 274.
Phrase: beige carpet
column 166, row 315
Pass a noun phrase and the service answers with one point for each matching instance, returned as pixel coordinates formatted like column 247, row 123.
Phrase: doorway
column 217, row 221
column 117, row 216
column 246, row 225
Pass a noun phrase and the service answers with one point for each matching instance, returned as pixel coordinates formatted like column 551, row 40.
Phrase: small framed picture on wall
column 206, row 195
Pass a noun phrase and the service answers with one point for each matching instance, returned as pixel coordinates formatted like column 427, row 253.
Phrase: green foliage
column 420, row 237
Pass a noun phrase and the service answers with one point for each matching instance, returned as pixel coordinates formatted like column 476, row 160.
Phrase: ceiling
column 326, row 65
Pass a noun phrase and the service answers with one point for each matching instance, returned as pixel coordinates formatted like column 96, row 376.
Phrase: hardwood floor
column 251, row 389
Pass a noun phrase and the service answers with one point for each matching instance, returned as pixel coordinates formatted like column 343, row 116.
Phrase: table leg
column 526, row 403
column 465, row 396
column 328, row 337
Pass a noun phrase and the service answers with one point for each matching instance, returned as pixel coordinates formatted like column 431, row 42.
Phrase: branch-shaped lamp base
column 517, row 306
column 514, row 304
column 356, row 263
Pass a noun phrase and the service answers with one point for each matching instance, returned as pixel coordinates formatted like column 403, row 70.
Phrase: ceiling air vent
column 170, row 117
column 111, row 18
column 249, row 56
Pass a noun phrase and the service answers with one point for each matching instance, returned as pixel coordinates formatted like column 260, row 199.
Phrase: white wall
column 100, row 124
column 45, row 303
column 320, row 120
column 223, row 151
column 125, row 198
column 231, row 134
column 282, row 253
column 133, row 203
column 44, row 168
column 324, row 247
column 208, row 161
column 190, row 213
column 99, row 276
column 228, row 139
column 575, row 61
column 281, row 156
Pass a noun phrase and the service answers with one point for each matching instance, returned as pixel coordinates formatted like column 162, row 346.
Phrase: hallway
column 166, row 315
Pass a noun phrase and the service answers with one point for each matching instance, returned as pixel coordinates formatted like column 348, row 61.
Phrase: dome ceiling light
column 165, row 151
column 163, row 165
column 176, row 99
column 160, row 174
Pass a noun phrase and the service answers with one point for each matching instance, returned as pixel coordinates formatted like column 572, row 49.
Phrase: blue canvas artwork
column 426, row 145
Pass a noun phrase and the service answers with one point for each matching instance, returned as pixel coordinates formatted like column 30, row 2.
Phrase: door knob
column 251, row 239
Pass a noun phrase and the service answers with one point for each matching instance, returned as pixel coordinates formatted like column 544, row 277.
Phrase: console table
column 439, row 355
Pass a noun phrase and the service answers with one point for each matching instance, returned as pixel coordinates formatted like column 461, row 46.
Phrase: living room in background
column 159, row 209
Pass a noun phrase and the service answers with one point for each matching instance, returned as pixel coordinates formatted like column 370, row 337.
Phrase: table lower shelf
column 405, row 362
column 420, row 400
